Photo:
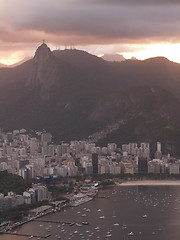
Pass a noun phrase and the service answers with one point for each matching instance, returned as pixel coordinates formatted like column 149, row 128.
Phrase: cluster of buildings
column 36, row 156
column 36, row 193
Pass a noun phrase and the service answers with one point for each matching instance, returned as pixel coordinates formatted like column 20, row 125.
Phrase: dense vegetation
column 73, row 94
column 12, row 182
column 20, row 211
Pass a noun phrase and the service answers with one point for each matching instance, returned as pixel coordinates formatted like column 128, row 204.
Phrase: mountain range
column 74, row 94
column 113, row 57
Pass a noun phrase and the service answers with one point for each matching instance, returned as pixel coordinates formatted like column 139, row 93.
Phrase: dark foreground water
column 150, row 212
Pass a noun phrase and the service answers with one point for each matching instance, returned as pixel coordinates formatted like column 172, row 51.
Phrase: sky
column 139, row 28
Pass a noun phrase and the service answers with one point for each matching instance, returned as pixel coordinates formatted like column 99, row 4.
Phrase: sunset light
column 90, row 119
column 170, row 51
column 13, row 58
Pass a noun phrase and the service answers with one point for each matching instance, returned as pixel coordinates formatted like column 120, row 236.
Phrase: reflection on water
column 137, row 213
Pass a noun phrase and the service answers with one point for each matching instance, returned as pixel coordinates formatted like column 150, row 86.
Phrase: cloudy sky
column 140, row 28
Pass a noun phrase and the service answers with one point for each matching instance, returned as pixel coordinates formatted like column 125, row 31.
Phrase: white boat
column 130, row 234
column 78, row 225
column 108, row 235
column 102, row 217
column 97, row 228
column 99, row 210
column 116, row 224
column 144, row 216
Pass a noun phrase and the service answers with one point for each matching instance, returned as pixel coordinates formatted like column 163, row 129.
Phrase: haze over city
column 142, row 29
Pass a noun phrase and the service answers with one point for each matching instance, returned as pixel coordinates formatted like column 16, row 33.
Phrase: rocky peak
column 43, row 53
column 41, row 67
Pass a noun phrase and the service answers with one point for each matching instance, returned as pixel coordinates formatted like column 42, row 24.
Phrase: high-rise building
column 34, row 145
column 46, row 137
column 62, row 149
column 159, row 147
column 142, row 165
column 95, row 162
column 111, row 147
column 131, row 148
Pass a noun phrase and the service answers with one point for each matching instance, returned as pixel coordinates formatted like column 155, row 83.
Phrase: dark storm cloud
column 90, row 21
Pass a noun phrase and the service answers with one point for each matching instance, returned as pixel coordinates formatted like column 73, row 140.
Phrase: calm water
column 126, row 205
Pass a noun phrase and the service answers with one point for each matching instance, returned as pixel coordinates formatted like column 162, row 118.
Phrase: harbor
column 130, row 212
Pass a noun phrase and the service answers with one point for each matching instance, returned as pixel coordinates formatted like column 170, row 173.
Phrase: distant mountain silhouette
column 74, row 94
column 113, row 57
column 20, row 62
column 15, row 64
column 3, row 65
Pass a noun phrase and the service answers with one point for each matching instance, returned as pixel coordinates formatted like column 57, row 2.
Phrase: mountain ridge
column 74, row 94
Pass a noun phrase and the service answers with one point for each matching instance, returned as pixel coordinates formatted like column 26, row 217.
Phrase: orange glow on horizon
column 170, row 51
column 12, row 58
column 141, row 52
column 9, row 62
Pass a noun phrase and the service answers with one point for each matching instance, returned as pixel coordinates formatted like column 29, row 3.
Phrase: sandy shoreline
column 150, row 183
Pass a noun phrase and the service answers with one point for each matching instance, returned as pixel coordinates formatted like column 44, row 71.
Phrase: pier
column 102, row 196
column 60, row 222
column 52, row 221
column 25, row 235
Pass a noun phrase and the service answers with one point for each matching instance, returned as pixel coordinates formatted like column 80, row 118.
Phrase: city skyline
column 133, row 28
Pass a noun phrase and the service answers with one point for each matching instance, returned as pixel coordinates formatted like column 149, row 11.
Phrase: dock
column 25, row 235
column 102, row 196
column 52, row 221
column 60, row 222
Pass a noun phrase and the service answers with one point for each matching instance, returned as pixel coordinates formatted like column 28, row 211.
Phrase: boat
column 85, row 223
column 108, row 235
column 99, row 210
column 78, row 225
column 83, row 215
column 130, row 234
column 124, row 226
column 144, row 216
column 71, row 224
column 97, row 228
column 116, row 224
